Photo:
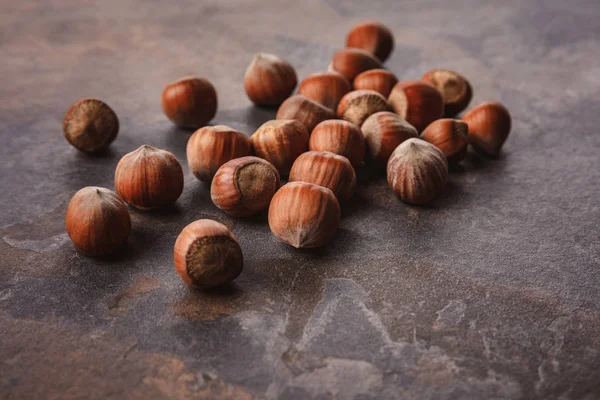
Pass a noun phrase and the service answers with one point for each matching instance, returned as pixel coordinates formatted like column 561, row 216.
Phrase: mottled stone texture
column 492, row 292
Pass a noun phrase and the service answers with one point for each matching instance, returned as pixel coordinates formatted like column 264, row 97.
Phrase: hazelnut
column 90, row 125
column 380, row 80
column 149, row 178
column 302, row 109
column 212, row 146
column 326, row 88
column 383, row 132
column 351, row 62
column 417, row 102
column 97, row 221
column 450, row 136
column 190, row 102
column 326, row 169
column 304, row 215
column 489, row 126
column 417, row 171
column 207, row 254
column 269, row 79
column 373, row 37
column 455, row 89
column 244, row 186
column 339, row 137
column 358, row 105
column 280, row 142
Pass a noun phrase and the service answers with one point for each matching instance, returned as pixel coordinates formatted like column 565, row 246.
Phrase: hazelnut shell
column 455, row 89
column 417, row 102
column 489, row 126
column 190, row 102
column 339, row 137
column 450, row 136
column 269, row 79
column 308, row 112
column 351, row 62
column 326, row 88
column 383, row 132
column 373, row 37
column 280, row 142
column 379, row 80
column 90, row 125
column 358, row 105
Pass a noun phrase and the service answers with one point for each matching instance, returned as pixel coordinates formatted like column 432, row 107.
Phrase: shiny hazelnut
column 269, row 79
column 358, row 105
column 207, row 254
column 244, row 186
column 97, row 221
column 417, row 102
column 149, row 178
column 280, row 141
column 326, row 88
column 373, row 37
column 90, row 125
column 417, row 171
column 383, row 132
column 212, row 146
column 339, row 137
column 450, row 136
column 380, row 80
column 302, row 109
column 304, row 215
column 190, row 102
column 351, row 62
column 489, row 126
column 455, row 89
column 326, row 169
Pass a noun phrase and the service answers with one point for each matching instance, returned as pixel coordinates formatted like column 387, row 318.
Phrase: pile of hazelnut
column 356, row 112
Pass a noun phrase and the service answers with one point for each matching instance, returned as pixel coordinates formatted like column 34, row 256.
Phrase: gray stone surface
column 493, row 292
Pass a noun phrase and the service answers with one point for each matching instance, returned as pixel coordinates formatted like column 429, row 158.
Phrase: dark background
column 493, row 292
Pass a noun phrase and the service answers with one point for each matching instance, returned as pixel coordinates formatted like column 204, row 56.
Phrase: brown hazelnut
column 489, row 126
column 207, row 254
column 455, row 89
column 244, row 186
column 339, row 137
column 269, row 79
column 450, row 136
column 326, row 169
column 351, row 62
column 304, row 215
column 417, row 171
column 417, row 102
column 326, row 88
column 358, row 105
column 373, row 37
column 383, row 132
column 308, row 112
column 149, row 178
column 212, row 146
column 280, row 141
column 380, row 80
column 90, row 125
column 190, row 102
column 97, row 221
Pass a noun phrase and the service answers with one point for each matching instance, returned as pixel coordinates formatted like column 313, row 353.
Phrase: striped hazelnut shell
column 450, row 136
column 489, row 126
column 350, row 62
column 269, row 79
column 358, row 105
column 190, row 102
column 455, row 89
column 326, row 88
column 383, row 132
column 90, row 125
column 280, row 141
column 379, row 80
column 417, row 102
column 373, row 37
column 308, row 112
column 339, row 137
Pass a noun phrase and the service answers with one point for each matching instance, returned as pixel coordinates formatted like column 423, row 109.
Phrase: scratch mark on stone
column 43, row 246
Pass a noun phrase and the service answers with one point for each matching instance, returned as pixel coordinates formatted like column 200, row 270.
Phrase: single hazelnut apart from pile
column 280, row 141
column 380, row 80
column 90, row 125
column 149, row 178
column 451, row 136
column 351, row 62
column 326, row 169
column 339, row 137
column 455, row 89
column 304, row 215
column 358, row 105
column 383, row 132
column 190, row 102
column 97, row 221
column 304, row 110
column 417, row 102
column 373, row 37
column 207, row 254
column 417, row 171
column 244, row 186
column 489, row 126
column 212, row 146
column 269, row 79
column 326, row 88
